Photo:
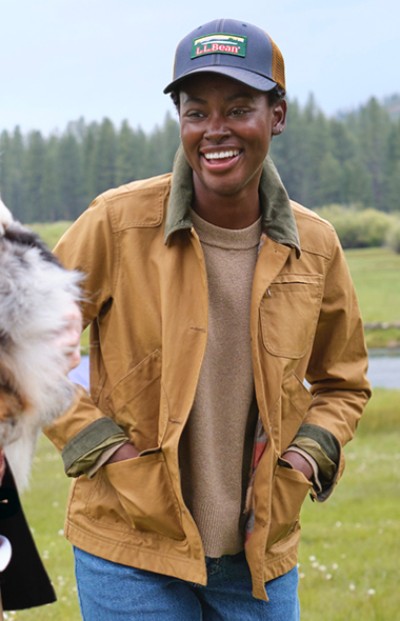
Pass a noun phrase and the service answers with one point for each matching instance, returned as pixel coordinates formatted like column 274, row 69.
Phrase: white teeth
column 219, row 155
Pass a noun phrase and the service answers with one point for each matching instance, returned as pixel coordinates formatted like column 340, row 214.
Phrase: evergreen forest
column 349, row 160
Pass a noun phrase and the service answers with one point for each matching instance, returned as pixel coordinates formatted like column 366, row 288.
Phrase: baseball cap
column 232, row 48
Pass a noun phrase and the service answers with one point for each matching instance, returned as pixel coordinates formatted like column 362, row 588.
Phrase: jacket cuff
column 100, row 434
column 324, row 448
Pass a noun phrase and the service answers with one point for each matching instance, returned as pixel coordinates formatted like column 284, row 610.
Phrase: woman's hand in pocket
column 298, row 462
column 125, row 451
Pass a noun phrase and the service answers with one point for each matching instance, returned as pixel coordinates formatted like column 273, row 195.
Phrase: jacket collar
column 278, row 221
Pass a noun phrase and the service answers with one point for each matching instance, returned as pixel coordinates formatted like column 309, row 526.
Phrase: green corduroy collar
column 278, row 221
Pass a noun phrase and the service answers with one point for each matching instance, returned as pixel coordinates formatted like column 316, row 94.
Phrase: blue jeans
column 112, row 592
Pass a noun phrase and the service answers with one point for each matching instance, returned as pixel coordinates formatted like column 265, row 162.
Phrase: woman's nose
column 216, row 129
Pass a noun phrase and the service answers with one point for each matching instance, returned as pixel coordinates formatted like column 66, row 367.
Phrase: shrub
column 393, row 237
column 366, row 228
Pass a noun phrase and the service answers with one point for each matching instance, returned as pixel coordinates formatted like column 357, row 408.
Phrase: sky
column 65, row 59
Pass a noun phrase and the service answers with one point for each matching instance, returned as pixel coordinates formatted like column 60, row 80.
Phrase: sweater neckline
column 220, row 237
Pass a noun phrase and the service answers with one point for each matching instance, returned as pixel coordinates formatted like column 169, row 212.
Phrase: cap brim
column 254, row 80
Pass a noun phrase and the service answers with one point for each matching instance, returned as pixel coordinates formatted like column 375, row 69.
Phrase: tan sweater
column 217, row 441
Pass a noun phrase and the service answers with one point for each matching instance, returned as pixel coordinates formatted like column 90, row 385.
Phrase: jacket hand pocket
column 144, row 490
column 289, row 490
column 134, row 402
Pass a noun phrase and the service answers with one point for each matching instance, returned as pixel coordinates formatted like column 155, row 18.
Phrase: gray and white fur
column 35, row 291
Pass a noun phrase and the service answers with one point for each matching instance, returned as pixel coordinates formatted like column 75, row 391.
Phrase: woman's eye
column 194, row 114
column 238, row 112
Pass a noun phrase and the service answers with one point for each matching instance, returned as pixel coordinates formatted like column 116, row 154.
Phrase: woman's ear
column 279, row 120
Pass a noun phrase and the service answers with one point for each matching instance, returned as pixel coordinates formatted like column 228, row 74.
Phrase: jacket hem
column 125, row 553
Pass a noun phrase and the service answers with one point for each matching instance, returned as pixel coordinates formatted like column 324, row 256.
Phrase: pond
column 384, row 369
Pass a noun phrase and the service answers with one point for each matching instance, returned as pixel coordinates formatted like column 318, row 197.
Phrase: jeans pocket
column 145, row 492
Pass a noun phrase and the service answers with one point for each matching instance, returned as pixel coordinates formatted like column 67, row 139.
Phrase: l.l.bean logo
column 219, row 44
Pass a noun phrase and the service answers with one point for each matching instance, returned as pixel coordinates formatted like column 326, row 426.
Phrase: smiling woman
column 226, row 130
column 210, row 297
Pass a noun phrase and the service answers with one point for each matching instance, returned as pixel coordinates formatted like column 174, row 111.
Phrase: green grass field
column 51, row 232
column 349, row 556
column 376, row 275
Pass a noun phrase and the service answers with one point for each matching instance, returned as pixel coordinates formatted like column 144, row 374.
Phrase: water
column 384, row 370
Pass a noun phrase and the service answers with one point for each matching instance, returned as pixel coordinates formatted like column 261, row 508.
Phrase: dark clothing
column 24, row 583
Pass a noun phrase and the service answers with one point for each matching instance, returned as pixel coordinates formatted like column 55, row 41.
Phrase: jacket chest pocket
column 289, row 313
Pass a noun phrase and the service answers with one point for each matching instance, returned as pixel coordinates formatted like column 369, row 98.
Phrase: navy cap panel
column 229, row 45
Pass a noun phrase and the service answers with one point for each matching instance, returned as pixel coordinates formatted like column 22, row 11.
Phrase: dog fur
column 35, row 291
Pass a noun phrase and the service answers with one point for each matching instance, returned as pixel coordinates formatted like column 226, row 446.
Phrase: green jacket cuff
column 97, row 436
column 324, row 448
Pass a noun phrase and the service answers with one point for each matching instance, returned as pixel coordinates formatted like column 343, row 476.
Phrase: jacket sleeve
column 83, row 432
column 336, row 373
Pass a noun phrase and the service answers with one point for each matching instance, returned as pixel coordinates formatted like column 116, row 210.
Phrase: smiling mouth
column 221, row 155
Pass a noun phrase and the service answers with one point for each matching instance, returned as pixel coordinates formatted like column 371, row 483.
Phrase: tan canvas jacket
column 146, row 301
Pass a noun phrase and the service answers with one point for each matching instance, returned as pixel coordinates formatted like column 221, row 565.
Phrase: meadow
column 376, row 275
column 349, row 555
